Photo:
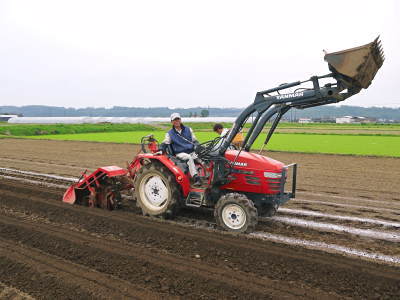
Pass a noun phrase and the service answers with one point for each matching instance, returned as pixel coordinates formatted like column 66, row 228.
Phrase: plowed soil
column 51, row 250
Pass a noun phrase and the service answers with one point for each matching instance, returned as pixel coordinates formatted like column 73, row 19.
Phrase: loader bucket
column 358, row 65
column 69, row 195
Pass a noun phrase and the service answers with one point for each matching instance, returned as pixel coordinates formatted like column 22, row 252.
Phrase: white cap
column 175, row 116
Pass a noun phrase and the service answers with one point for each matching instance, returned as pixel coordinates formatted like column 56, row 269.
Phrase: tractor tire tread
column 173, row 205
column 242, row 200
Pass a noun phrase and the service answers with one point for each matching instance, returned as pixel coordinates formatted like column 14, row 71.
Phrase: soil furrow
column 340, row 219
column 145, row 267
column 357, row 200
column 199, row 262
column 97, row 284
column 11, row 293
column 36, row 283
column 267, row 225
column 262, row 258
column 47, row 164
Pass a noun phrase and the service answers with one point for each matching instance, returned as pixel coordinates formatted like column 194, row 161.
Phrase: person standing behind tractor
column 218, row 128
column 223, row 132
column 183, row 141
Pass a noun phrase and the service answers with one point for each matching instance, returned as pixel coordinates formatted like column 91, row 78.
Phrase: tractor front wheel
column 235, row 212
column 156, row 190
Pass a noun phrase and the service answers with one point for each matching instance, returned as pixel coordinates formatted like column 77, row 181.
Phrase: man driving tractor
column 183, row 141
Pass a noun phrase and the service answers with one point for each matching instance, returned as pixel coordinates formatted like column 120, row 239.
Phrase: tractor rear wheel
column 157, row 192
column 235, row 212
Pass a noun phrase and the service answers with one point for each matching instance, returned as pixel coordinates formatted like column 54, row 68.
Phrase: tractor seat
column 180, row 163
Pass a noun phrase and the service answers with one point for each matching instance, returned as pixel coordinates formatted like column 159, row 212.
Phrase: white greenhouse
column 93, row 120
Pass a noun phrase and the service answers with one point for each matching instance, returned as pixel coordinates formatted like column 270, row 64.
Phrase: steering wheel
column 204, row 149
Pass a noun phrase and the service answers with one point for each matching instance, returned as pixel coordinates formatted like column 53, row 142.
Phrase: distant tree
column 195, row 115
column 204, row 113
column 326, row 112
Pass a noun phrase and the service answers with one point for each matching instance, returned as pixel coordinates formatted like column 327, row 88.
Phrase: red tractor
column 238, row 184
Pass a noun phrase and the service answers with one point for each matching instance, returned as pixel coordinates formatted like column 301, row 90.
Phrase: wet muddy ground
column 51, row 250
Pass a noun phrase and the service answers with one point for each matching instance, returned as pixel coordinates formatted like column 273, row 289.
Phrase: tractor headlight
column 272, row 175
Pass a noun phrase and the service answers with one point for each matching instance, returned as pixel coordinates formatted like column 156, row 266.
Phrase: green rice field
column 351, row 139
column 374, row 145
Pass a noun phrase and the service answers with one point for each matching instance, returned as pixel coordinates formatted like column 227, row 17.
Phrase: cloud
column 181, row 53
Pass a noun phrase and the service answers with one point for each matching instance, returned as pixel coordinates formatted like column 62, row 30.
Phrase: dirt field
column 339, row 238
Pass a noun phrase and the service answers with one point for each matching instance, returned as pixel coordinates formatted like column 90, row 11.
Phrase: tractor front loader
column 239, row 185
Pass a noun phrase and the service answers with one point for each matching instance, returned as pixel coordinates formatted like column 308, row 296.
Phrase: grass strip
column 53, row 129
column 307, row 143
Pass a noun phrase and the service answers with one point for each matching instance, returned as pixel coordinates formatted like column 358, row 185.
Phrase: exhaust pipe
column 356, row 67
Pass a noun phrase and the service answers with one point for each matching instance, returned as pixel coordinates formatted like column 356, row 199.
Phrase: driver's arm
column 194, row 139
column 167, row 139
column 165, row 142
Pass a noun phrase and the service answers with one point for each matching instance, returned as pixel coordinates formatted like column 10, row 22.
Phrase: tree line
column 326, row 112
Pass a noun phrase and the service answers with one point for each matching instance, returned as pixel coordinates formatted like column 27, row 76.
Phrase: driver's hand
column 198, row 149
column 162, row 148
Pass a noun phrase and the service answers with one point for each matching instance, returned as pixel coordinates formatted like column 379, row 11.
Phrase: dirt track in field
column 54, row 251
column 361, row 177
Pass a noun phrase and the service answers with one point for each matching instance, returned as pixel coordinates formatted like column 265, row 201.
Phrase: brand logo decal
column 240, row 164
column 288, row 96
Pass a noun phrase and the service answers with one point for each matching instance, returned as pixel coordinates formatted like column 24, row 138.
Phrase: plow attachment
column 356, row 67
column 69, row 195
column 99, row 189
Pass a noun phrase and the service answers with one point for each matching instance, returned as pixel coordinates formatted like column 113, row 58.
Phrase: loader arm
column 267, row 106
column 352, row 70
column 308, row 98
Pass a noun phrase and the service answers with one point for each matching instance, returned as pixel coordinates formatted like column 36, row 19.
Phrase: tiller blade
column 69, row 195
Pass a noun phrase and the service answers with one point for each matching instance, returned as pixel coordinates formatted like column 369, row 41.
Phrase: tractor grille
column 274, row 184
column 275, row 181
column 253, row 180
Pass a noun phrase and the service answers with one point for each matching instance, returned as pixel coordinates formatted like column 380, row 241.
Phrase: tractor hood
column 253, row 161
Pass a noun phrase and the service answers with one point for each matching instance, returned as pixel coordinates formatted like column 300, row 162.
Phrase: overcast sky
column 184, row 53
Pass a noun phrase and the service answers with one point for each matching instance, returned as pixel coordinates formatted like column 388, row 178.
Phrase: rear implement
column 99, row 189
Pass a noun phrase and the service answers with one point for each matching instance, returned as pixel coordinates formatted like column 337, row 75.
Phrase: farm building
column 305, row 120
column 354, row 120
column 5, row 118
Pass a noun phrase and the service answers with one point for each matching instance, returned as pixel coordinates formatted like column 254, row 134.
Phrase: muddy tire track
column 318, row 274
